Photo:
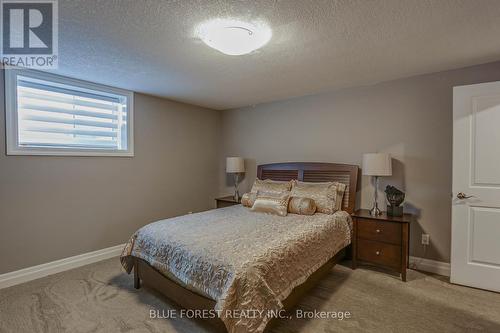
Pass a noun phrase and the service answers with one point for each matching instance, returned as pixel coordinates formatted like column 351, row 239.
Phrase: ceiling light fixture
column 234, row 37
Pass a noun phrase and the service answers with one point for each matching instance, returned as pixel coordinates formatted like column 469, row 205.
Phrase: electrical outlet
column 425, row 239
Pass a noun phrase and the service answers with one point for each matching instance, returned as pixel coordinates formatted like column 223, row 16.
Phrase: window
column 52, row 115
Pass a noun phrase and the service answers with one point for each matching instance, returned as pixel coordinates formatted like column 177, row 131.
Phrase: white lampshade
column 235, row 164
column 377, row 164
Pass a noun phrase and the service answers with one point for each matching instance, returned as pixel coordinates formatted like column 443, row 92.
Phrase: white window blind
column 57, row 116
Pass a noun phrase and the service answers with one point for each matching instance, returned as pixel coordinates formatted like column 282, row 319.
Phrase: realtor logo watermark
column 29, row 33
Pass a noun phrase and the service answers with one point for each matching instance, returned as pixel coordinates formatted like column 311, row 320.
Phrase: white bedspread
column 241, row 259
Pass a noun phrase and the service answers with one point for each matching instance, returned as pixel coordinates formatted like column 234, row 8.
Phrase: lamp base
column 375, row 211
column 236, row 195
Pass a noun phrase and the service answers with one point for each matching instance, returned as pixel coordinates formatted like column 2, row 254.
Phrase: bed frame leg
column 137, row 280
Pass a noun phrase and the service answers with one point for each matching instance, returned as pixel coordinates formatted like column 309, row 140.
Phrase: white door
column 475, row 239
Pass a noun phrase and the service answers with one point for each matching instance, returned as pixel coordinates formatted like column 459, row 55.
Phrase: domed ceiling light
column 233, row 37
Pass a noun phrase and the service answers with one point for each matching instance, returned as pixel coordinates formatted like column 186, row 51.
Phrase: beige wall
column 410, row 118
column 56, row 207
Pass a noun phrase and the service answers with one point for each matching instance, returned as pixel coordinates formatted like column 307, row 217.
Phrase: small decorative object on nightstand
column 395, row 198
column 236, row 166
column 376, row 165
column 227, row 201
column 381, row 240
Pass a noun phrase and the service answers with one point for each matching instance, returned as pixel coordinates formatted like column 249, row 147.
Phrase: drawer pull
column 378, row 231
column 377, row 253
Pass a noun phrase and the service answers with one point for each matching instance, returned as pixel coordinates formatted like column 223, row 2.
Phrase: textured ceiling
column 148, row 46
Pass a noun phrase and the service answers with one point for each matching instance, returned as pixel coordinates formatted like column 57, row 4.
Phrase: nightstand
column 381, row 240
column 226, row 201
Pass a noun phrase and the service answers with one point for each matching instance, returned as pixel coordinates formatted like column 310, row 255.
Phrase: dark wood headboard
column 316, row 172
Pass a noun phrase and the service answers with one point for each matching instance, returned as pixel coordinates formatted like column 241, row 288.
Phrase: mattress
column 243, row 260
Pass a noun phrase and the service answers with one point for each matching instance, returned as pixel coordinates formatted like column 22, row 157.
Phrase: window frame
column 11, row 116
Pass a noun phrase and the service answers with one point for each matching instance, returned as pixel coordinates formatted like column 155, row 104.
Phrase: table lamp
column 376, row 165
column 235, row 165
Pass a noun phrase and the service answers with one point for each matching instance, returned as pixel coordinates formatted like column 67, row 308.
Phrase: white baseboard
column 39, row 271
column 432, row 266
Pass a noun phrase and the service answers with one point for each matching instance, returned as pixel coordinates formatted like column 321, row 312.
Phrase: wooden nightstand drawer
column 226, row 201
column 379, row 253
column 222, row 204
column 387, row 232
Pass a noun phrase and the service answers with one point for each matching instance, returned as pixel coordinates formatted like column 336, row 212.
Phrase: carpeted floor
column 100, row 298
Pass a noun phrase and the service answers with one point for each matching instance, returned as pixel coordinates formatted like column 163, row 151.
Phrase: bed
column 242, row 268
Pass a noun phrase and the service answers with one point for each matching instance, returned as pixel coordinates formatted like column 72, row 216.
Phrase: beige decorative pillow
column 271, row 186
column 272, row 203
column 325, row 195
column 248, row 199
column 301, row 206
column 340, row 196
